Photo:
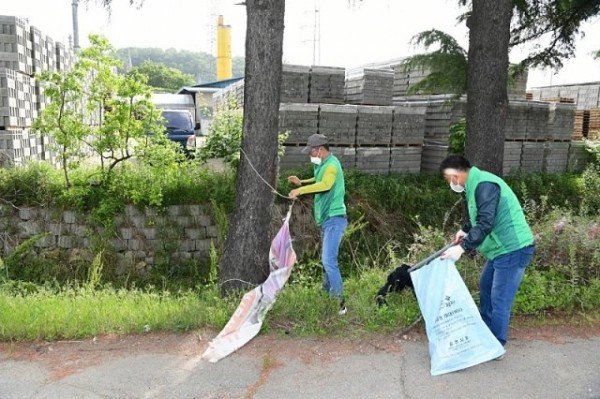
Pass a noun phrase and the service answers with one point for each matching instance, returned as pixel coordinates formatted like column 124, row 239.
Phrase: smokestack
column 75, row 26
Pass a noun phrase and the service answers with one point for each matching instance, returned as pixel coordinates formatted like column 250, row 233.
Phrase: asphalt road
column 169, row 366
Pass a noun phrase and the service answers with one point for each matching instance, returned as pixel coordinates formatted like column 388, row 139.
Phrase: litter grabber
column 399, row 278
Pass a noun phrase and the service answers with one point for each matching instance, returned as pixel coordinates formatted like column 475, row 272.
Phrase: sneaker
column 343, row 310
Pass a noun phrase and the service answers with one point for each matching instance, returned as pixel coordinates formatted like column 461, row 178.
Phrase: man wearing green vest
column 329, row 209
column 497, row 228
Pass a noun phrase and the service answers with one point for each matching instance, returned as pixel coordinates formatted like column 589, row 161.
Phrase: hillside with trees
column 202, row 66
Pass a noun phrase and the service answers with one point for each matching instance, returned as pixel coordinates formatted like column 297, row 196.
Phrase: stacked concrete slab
column 585, row 95
column 294, row 83
column 374, row 125
column 406, row 159
column 15, row 45
column 560, row 121
column 369, row 86
column 374, row 160
column 300, row 120
column 408, row 126
column 326, row 84
column 578, row 156
column 338, row 123
column 512, row 157
column 556, row 157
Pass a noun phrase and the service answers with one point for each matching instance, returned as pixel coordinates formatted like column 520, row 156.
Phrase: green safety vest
column 329, row 203
column 510, row 231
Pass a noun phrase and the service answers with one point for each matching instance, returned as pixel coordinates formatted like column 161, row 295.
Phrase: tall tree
column 247, row 246
column 162, row 77
column 487, row 76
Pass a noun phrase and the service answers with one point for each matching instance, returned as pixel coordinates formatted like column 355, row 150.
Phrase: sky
column 345, row 33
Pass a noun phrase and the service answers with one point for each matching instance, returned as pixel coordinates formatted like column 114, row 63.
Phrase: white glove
column 453, row 253
column 459, row 236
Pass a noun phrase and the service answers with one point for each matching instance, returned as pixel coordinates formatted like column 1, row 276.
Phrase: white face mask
column 316, row 160
column 457, row 188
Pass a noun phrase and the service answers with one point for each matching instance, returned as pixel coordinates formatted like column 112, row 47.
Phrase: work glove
column 458, row 237
column 453, row 253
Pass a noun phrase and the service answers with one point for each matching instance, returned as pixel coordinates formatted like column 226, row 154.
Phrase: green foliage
column 163, row 77
column 458, row 134
column 225, row 137
column 447, row 66
column 590, row 202
column 200, row 65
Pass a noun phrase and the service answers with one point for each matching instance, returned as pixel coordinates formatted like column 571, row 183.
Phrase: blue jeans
column 332, row 231
column 498, row 287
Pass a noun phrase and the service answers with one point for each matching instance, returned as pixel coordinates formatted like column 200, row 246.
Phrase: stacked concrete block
column 374, row 125
column 537, row 121
column 440, row 116
column 404, row 79
column 346, row 155
column 326, row 84
column 232, row 95
column 18, row 98
column 433, row 155
column 512, row 157
column 64, row 57
column 300, row 120
column 373, row 160
column 585, row 96
column 293, row 158
column 579, row 157
column 369, row 86
column 556, row 157
column 516, row 121
column 406, row 159
column 18, row 146
column 408, row 125
column 15, row 45
column 338, row 123
column 532, row 157
column 294, row 83
column 560, row 121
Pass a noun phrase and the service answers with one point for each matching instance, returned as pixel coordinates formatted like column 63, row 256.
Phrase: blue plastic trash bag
column 458, row 336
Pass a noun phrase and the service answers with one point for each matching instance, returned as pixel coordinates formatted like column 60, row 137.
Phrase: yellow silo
column 224, row 67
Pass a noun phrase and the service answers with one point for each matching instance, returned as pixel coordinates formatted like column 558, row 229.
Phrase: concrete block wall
column 140, row 237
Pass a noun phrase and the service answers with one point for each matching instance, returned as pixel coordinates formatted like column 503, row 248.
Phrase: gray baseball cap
column 315, row 140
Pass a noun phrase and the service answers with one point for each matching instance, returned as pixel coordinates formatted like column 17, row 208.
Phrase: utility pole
column 75, row 26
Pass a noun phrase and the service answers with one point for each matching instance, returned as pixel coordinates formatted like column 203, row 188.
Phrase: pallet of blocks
column 408, row 125
column 440, row 117
column 326, row 84
column 594, row 124
column 373, row 160
column 512, row 157
column 369, row 86
column 374, row 125
column 294, row 83
column 560, row 121
column 532, row 157
column 293, row 158
column 338, row 123
column 537, row 121
column 433, row 155
column 346, row 156
column 64, row 57
column 579, row 157
column 404, row 79
column 406, row 159
column 581, row 124
column 556, row 157
column 300, row 120
column 18, row 99
column 15, row 45
column 516, row 121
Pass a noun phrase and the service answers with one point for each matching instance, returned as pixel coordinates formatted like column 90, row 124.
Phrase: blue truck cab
column 180, row 128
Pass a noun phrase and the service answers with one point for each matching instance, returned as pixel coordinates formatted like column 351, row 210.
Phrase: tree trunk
column 247, row 246
column 487, row 75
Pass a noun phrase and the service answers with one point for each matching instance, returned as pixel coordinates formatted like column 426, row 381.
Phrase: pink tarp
column 249, row 316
